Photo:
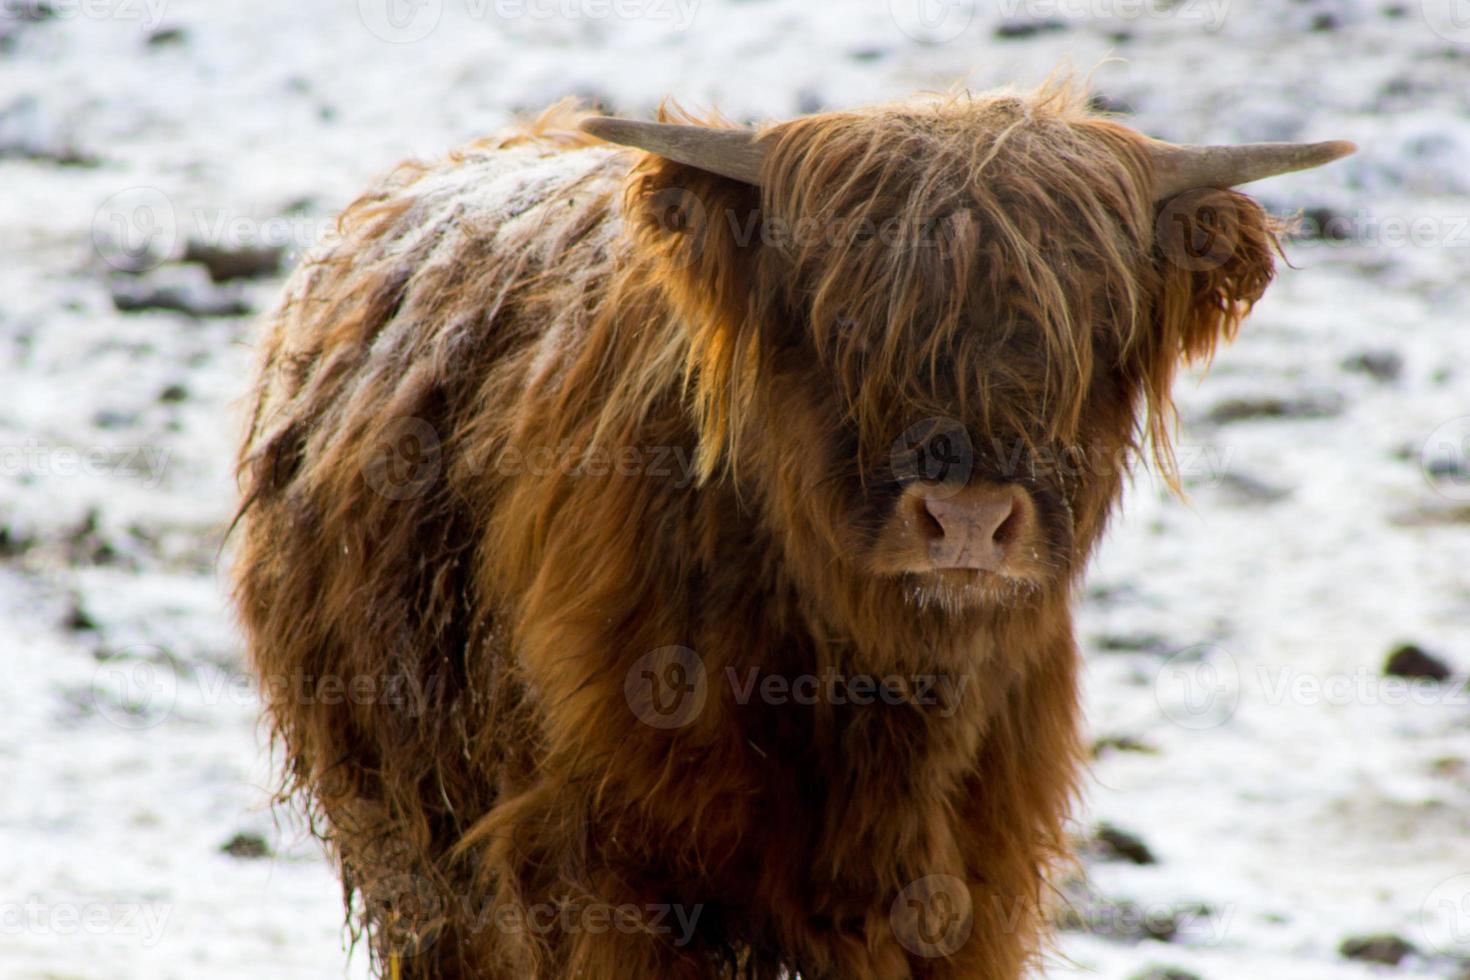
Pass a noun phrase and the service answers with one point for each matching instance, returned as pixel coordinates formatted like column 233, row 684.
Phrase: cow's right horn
column 733, row 153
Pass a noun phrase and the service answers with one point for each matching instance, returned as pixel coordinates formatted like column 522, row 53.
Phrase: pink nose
column 976, row 526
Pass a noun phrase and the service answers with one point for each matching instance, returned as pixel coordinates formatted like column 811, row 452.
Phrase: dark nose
column 977, row 526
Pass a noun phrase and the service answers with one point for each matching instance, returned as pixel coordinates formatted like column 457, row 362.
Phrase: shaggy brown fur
column 542, row 412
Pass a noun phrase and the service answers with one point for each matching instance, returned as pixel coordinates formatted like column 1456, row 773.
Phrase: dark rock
column 235, row 262
column 1409, row 660
column 1386, row 949
column 1121, row 743
column 868, row 54
column 1115, row 844
column 174, row 394
column 183, row 289
column 247, row 846
column 1273, row 407
column 165, row 36
column 111, row 418
column 77, row 619
column 1323, row 23
column 809, row 101
column 13, row 543
column 30, row 11
column 87, row 545
column 28, row 132
column 1119, row 920
column 1381, row 365
column 1244, row 489
column 1131, row 643
column 1324, row 224
column 1432, row 515
column 1165, row 973
column 1014, row 29
column 1102, row 102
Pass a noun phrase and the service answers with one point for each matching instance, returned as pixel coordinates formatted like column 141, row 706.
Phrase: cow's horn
column 1182, row 168
column 733, row 153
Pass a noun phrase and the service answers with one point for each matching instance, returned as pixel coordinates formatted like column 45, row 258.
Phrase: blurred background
column 1276, row 667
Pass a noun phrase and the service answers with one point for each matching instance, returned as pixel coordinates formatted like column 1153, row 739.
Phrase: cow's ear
column 1216, row 253
column 702, row 232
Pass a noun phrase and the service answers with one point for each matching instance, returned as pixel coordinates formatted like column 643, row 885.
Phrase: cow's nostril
column 931, row 524
column 1009, row 528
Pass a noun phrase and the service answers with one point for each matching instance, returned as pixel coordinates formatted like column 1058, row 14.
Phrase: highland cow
column 657, row 558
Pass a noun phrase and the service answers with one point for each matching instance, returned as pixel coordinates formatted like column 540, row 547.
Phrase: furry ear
column 1215, row 251
column 705, row 233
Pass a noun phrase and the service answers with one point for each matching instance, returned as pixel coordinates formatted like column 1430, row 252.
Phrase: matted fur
column 423, row 519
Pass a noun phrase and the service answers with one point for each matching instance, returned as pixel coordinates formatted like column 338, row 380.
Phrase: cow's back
column 393, row 371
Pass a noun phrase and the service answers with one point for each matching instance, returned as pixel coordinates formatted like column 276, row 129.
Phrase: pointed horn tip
column 1335, row 149
column 603, row 127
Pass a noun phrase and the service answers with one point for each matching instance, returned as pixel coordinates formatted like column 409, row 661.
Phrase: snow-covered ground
column 1291, row 795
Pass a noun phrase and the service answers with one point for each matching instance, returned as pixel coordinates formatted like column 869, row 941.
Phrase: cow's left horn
column 1182, row 168
column 733, row 153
